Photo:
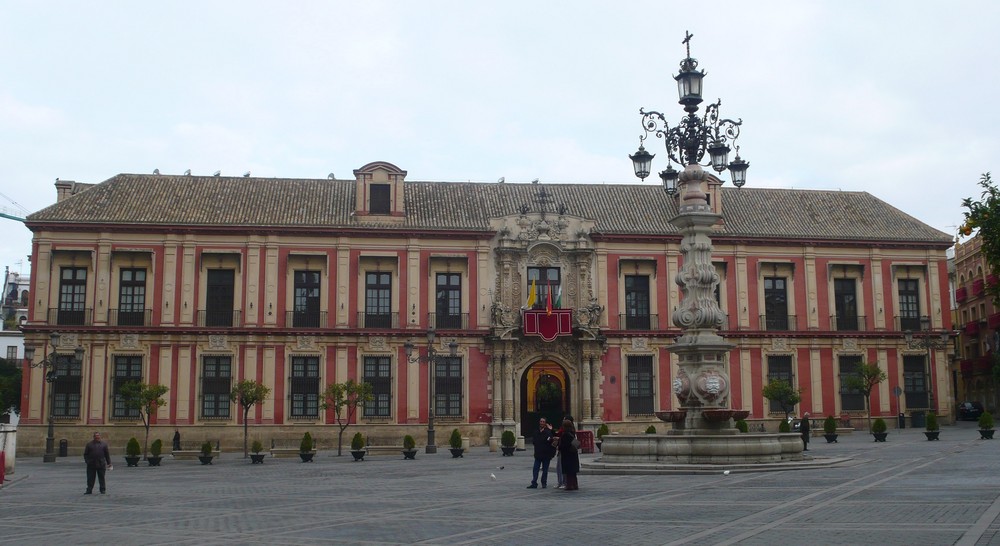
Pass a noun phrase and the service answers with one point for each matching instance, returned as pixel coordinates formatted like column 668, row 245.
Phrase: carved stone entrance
column 545, row 392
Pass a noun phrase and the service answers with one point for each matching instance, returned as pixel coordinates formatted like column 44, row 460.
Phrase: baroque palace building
column 196, row 282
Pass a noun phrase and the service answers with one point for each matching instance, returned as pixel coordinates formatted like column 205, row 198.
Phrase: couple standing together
column 549, row 444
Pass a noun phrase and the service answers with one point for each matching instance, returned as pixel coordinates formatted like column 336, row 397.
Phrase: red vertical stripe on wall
column 479, row 406
column 331, row 376
column 193, row 393
column 756, row 383
column 736, row 378
column 612, row 370
column 158, row 272
column 352, row 289
column 753, row 309
column 893, row 363
column 828, row 372
column 279, row 384
column 402, row 371
column 472, row 266
column 804, row 377
column 404, row 285
column 888, row 289
column 612, row 280
column 824, row 307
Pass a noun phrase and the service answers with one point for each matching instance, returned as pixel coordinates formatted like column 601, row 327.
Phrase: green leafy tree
column 784, row 394
column 864, row 379
column 10, row 387
column 345, row 399
column 248, row 393
column 146, row 399
column 983, row 217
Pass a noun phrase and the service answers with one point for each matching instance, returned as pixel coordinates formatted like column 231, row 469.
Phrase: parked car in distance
column 969, row 411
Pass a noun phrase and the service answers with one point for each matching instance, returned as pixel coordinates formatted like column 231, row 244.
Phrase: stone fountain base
column 727, row 447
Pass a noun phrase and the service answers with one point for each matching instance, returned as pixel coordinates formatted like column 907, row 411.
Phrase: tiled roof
column 616, row 208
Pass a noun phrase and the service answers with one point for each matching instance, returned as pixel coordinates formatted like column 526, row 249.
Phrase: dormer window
column 381, row 202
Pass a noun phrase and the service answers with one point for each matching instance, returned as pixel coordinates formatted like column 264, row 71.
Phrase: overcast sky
column 898, row 99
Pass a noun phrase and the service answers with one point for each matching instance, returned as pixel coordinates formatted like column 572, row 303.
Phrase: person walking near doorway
column 542, row 442
column 569, row 454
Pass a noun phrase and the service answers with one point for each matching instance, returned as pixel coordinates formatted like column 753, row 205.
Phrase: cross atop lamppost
column 48, row 364
column 931, row 341
column 431, row 360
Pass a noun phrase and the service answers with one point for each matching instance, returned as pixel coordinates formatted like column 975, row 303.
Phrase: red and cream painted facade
column 611, row 250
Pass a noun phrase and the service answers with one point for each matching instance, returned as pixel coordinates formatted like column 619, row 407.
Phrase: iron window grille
column 216, row 384
column 909, row 304
column 132, row 297
column 637, row 312
column 448, row 305
column 779, row 367
column 304, row 386
column 775, row 303
column 306, row 303
column 128, row 368
column 915, row 381
column 850, row 399
column 378, row 373
column 66, row 387
column 378, row 300
column 448, row 386
column 640, row 385
column 72, row 296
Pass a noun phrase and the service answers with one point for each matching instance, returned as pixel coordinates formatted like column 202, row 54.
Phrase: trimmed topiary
column 784, row 426
column 455, row 440
column 357, row 442
column 742, row 425
column 206, row 448
column 409, row 443
column 156, row 448
column 307, row 443
column 507, row 439
column 603, row 431
column 931, row 424
column 830, row 425
column 256, row 446
column 878, row 426
column 986, row 421
column 133, row 449
column 650, row 429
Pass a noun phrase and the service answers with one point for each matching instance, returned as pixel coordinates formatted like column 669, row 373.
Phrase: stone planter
column 831, row 438
column 359, row 454
column 154, row 461
column 307, row 457
column 986, row 434
column 880, row 436
column 257, row 458
column 932, row 434
column 410, row 454
column 205, row 459
column 132, row 461
column 456, row 452
column 508, row 451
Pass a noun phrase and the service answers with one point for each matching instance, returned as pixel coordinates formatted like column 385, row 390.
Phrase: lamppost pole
column 431, row 360
column 48, row 365
column 931, row 342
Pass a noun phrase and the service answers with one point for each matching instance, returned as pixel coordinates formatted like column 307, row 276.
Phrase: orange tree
column 983, row 217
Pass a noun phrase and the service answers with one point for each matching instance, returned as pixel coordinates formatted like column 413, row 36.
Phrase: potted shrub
column 508, row 442
column 133, row 452
column 879, row 430
column 155, row 449
column 602, row 431
column 306, row 450
column 931, row 427
column 409, row 447
column 206, row 453
column 742, row 426
column 986, row 426
column 256, row 457
column 650, row 429
column 455, row 441
column 358, row 446
column 830, row 429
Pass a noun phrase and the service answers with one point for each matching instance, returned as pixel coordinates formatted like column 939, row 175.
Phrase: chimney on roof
column 64, row 189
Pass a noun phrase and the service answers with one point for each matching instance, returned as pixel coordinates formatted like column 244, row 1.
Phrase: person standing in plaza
column 804, row 431
column 98, row 458
column 542, row 442
column 559, row 470
column 569, row 454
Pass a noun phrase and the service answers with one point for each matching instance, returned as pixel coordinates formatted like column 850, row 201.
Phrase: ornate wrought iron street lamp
column 48, row 365
column 930, row 341
column 702, row 384
column 431, row 359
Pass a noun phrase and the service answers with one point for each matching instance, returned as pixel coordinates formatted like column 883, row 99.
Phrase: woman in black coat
column 569, row 454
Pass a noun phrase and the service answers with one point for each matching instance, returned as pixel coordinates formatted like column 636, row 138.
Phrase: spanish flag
column 532, row 295
column 548, row 300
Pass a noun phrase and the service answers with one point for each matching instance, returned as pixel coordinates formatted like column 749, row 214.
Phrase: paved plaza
column 905, row 491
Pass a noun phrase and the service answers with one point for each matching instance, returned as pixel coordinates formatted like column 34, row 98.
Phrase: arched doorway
column 544, row 393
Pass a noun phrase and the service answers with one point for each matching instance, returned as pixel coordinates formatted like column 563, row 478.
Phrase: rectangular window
column 909, row 304
column 127, row 369
column 846, row 304
column 378, row 299
column 305, row 307
column 380, row 202
column 378, row 374
column 67, row 386
column 448, row 305
column 637, row 302
column 775, row 304
column 915, row 381
column 304, row 386
column 850, row 399
column 216, row 379
column 640, row 385
column 132, row 297
column 779, row 367
column 544, row 279
column 12, row 352
column 448, row 386
column 72, row 295
column 219, row 297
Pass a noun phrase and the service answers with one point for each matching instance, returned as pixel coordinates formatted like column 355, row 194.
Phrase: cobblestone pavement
column 905, row 491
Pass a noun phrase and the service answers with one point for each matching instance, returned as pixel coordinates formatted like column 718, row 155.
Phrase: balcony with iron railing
column 305, row 319
column 378, row 320
column 972, row 328
column 777, row 323
column 442, row 321
column 961, row 294
column 70, row 317
column 118, row 317
column 219, row 318
column 848, row 323
column 914, row 324
column 628, row 321
column 978, row 287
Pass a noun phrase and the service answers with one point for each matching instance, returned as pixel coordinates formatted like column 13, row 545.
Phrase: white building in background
column 14, row 311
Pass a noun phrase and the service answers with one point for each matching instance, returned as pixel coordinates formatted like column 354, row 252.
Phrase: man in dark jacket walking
column 544, row 451
column 804, row 430
column 98, row 459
